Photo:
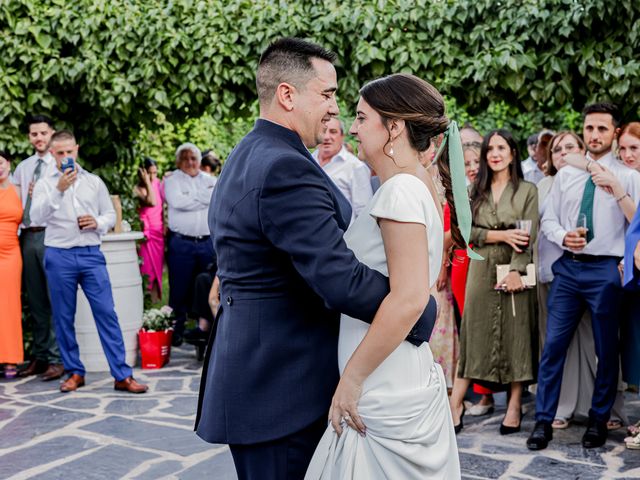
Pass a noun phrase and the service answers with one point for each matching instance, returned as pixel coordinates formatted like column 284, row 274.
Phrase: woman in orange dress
column 10, row 272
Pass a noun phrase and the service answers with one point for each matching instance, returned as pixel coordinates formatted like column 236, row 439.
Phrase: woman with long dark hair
column 150, row 193
column 498, row 336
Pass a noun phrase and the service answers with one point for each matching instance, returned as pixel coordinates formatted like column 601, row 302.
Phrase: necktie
column 26, row 218
column 586, row 206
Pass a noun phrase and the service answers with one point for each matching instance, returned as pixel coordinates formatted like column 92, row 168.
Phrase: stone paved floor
column 97, row 433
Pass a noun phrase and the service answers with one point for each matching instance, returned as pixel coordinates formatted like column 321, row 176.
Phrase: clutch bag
column 528, row 280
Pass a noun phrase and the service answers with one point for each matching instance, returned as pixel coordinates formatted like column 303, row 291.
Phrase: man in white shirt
column 77, row 208
column 588, row 224
column 352, row 177
column 44, row 350
column 532, row 166
column 188, row 192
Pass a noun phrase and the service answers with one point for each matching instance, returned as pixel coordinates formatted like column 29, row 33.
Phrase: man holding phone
column 78, row 211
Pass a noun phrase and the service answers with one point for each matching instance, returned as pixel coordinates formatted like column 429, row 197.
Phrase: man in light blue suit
column 277, row 223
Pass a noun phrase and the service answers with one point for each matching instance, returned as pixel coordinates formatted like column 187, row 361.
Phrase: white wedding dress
column 404, row 403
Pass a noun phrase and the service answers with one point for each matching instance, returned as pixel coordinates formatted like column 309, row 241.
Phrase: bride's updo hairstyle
column 406, row 97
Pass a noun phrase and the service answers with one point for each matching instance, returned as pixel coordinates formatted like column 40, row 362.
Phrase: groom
column 277, row 223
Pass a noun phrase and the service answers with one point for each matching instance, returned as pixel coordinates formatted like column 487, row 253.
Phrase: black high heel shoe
column 458, row 428
column 506, row 430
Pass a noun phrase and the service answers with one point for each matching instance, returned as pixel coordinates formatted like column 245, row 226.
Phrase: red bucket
column 155, row 348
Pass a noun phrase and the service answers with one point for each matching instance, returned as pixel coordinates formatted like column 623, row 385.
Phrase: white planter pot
column 120, row 253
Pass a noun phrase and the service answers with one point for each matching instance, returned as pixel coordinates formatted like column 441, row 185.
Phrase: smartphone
column 67, row 163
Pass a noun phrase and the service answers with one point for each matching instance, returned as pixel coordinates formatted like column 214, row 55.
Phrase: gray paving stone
column 149, row 435
column 36, row 421
column 168, row 386
column 183, row 406
column 86, row 403
column 35, row 385
column 482, row 466
column 194, row 386
column 53, row 395
column 131, row 406
column 542, row 467
column 160, row 470
column 163, row 373
column 42, row 453
column 110, row 462
column 187, row 422
column 631, row 460
column 501, row 449
column 219, row 467
column 6, row 414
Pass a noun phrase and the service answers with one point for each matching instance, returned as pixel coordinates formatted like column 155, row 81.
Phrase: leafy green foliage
column 110, row 68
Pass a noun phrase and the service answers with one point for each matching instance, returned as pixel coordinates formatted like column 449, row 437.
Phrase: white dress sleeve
column 402, row 198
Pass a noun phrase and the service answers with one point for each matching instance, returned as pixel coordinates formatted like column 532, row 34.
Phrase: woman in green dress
column 498, row 336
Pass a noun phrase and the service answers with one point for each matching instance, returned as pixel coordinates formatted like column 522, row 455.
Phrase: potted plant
column 155, row 337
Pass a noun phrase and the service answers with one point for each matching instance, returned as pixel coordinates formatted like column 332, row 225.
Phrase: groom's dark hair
column 287, row 60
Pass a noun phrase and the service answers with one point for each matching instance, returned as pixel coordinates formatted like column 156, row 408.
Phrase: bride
column 389, row 417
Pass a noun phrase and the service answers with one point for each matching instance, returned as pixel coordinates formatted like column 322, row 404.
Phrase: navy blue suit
column 277, row 223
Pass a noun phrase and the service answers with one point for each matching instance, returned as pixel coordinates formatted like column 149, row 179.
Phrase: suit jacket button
column 229, row 301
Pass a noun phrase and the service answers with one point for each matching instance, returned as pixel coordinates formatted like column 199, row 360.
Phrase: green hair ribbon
column 460, row 195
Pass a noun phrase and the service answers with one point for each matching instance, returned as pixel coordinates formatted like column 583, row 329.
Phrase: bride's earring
column 391, row 149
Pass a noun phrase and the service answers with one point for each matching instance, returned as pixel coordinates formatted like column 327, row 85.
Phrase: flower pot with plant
column 155, row 337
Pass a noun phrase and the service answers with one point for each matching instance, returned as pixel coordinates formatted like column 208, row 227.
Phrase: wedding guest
column 535, row 173
column 188, row 193
column 471, row 144
column 629, row 152
column 629, row 145
column 529, row 163
column 498, row 343
column 210, row 163
column 588, row 223
column 578, row 378
column 150, row 193
column 11, row 352
column 78, row 211
column 350, row 175
column 44, row 350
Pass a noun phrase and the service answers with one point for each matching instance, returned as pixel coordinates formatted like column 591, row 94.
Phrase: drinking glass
column 524, row 225
column 581, row 225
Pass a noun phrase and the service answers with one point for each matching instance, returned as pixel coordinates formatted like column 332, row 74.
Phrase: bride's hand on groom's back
column 344, row 406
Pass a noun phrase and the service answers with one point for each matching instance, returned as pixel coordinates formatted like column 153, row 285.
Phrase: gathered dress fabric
column 152, row 249
column 11, row 350
column 404, row 404
column 499, row 335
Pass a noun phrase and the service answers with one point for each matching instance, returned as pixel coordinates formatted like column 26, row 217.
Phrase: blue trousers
column 578, row 285
column 284, row 458
column 66, row 268
column 186, row 259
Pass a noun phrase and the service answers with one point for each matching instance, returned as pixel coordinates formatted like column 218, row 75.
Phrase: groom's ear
column 285, row 94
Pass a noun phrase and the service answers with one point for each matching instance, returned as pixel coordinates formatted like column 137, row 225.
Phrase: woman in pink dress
column 150, row 193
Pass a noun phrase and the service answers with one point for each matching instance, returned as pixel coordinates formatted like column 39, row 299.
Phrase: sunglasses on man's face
column 472, row 144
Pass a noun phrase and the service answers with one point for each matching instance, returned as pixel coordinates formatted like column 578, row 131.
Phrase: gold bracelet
column 622, row 197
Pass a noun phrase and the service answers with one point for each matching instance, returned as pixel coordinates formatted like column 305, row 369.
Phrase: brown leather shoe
column 72, row 383
column 35, row 367
column 130, row 385
column 54, row 371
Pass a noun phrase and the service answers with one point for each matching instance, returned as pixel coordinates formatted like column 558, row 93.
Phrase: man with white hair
column 188, row 193
column 351, row 176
